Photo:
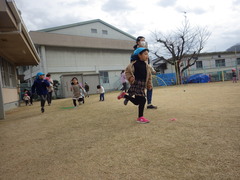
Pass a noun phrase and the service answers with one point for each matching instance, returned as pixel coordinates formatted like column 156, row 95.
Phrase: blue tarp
column 166, row 79
column 170, row 79
column 198, row 78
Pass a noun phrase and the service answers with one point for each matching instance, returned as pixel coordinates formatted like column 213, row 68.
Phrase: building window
column 220, row 63
column 8, row 73
column 199, row 65
column 104, row 77
column 104, row 32
column 93, row 30
column 25, row 68
column 238, row 61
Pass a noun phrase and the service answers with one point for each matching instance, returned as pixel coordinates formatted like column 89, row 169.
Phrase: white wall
column 61, row 59
column 85, row 30
column 209, row 64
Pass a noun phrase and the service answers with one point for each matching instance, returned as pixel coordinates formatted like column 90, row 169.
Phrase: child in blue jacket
column 40, row 86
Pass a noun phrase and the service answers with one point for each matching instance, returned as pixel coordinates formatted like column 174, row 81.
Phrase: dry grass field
column 102, row 141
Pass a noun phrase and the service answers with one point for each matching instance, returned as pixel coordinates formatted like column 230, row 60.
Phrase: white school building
column 94, row 51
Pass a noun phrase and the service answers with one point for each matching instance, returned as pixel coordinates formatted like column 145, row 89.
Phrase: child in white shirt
column 101, row 90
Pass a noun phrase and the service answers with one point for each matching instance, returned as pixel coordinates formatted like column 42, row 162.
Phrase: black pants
column 49, row 97
column 31, row 99
column 138, row 100
column 124, row 88
column 79, row 100
column 26, row 101
column 75, row 102
column 43, row 100
column 101, row 97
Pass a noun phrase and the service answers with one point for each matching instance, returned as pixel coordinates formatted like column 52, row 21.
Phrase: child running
column 140, row 42
column 50, row 89
column 78, row 92
column 41, row 85
column 139, row 75
column 234, row 76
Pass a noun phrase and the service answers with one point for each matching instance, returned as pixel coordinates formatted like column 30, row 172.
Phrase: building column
column 2, row 112
column 31, row 75
column 43, row 63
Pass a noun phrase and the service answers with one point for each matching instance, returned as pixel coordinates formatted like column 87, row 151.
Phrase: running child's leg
column 31, row 99
column 75, row 102
column 102, row 96
column 43, row 100
column 49, row 98
column 133, row 100
column 142, row 102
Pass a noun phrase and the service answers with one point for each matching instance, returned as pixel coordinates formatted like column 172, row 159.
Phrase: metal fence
column 169, row 79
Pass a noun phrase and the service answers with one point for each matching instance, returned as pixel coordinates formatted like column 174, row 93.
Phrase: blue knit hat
column 39, row 74
column 139, row 50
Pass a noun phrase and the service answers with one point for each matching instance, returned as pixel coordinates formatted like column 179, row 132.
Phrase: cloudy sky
column 141, row 17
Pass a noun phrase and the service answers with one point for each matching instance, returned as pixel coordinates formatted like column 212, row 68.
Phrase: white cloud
column 167, row 3
column 116, row 6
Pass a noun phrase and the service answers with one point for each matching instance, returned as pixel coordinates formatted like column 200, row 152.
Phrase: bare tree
column 184, row 44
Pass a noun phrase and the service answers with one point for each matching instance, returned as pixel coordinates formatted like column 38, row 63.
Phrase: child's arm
column 81, row 87
column 149, row 80
column 84, row 91
column 46, row 82
column 129, row 73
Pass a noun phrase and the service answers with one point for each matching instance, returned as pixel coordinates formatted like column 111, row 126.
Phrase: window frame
column 104, row 77
column 220, row 64
column 8, row 74
column 104, row 32
column 94, row 30
column 238, row 61
column 197, row 65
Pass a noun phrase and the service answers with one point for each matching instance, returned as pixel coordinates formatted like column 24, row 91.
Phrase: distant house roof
column 218, row 53
column 84, row 23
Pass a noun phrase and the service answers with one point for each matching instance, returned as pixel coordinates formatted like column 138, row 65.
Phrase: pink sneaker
column 121, row 95
column 142, row 120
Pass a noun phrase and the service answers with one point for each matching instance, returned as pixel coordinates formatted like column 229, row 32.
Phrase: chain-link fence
column 214, row 76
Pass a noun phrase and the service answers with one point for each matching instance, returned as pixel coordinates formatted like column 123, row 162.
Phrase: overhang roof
column 63, row 40
column 15, row 42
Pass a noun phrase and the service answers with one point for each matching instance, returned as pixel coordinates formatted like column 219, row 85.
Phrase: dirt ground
column 102, row 140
